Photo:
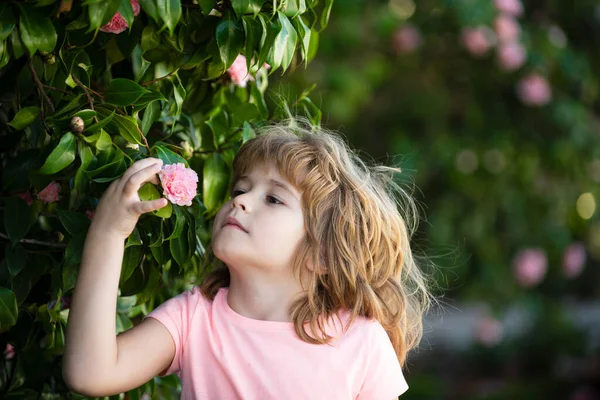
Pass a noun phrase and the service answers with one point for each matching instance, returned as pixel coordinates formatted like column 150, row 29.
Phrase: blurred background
column 490, row 109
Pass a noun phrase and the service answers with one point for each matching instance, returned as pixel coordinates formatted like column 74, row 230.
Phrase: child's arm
column 96, row 361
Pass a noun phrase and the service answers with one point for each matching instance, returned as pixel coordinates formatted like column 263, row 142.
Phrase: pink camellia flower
column 50, row 193
column 9, row 352
column 511, row 7
column 530, row 267
column 239, row 71
column 507, row 28
column 118, row 24
column 489, row 331
column 406, row 39
column 478, row 41
column 179, row 183
column 573, row 260
column 89, row 214
column 511, row 56
column 534, row 90
column 25, row 195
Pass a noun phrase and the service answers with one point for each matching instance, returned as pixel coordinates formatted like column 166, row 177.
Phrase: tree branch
column 40, row 86
column 38, row 242
column 87, row 94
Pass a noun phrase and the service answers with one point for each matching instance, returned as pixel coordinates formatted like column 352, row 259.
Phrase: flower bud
column 188, row 150
column 77, row 125
column 50, row 59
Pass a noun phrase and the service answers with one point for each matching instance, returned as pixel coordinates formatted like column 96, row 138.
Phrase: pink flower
column 118, row 24
column 507, row 28
column 511, row 7
column 489, row 331
column 534, row 90
column 9, row 352
column 179, row 183
column 239, row 71
column 50, row 193
column 406, row 39
column 530, row 267
column 25, row 195
column 89, row 214
column 573, row 260
column 478, row 40
column 511, row 56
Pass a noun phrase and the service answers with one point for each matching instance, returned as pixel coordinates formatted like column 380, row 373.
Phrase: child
column 317, row 297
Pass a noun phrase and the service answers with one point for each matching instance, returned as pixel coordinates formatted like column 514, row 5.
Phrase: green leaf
column 101, row 124
column 151, row 115
column 148, row 97
column 326, row 13
column 18, row 47
column 160, row 150
column 75, row 223
column 37, row 31
column 132, row 257
column 253, row 33
column 170, row 12
column 25, row 117
column 16, row 258
column 303, row 32
column 150, row 38
column 101, row 12
column 123, row 92
column 242, row 7
column 180, row 248
column 294, row 7
column 180, row 223
column 8, row 309
column 230, row 39
column 215, row 182
column 7, row 21
column 247, row 132
column 128, row 128
column 126, row 12
column 149, row 7
column 284, row 45
column 207, row 5
column 62, row 155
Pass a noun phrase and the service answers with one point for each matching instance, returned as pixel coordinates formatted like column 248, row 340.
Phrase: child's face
column 269, row 212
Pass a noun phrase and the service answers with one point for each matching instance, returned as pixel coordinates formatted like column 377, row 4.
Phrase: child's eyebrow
column 273, row 182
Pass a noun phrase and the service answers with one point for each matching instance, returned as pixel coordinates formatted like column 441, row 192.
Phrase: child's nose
column 241, row 201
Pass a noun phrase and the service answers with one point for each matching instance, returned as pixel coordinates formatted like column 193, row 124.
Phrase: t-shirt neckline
column 245, row 322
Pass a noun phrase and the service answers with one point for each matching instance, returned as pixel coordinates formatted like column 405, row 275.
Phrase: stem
column 158, row 79
column 40, row 86
column 87, row 94
column 144, row 139
column 38, row 242
column 57, row 89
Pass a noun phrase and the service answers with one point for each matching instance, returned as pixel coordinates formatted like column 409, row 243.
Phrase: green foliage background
column 78, row 106
column 528, row 168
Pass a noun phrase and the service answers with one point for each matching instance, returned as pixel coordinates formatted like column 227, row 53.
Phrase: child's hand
column 120, row 206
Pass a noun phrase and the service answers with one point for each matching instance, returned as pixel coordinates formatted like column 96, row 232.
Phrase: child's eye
column 273, row 200
column 236, row 192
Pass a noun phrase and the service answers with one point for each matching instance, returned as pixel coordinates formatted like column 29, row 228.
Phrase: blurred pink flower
column 489, row 331
column 573, row 260
column 511, row 56
column 406, row 39
column 478, row 41
column 511, row 7
column 9, row 352
column 118, row 24
column 25, row 195
column 179, row 183
column 239, row 71
column 534, row 90
column 89, row 214
column 530, row 267
column 507, row 28
column 50, row 193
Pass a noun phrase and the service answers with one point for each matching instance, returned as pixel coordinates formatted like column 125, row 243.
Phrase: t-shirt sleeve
column 384, row 379
column 175, row 314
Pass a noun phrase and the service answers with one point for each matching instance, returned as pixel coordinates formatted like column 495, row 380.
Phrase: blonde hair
column 358, row 223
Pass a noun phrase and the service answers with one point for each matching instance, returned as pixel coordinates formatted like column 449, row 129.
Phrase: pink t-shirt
column 220, row 354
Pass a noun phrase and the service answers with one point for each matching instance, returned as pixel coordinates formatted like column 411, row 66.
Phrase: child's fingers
column 142, row 207
column 138, row 166
column 135, row 181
